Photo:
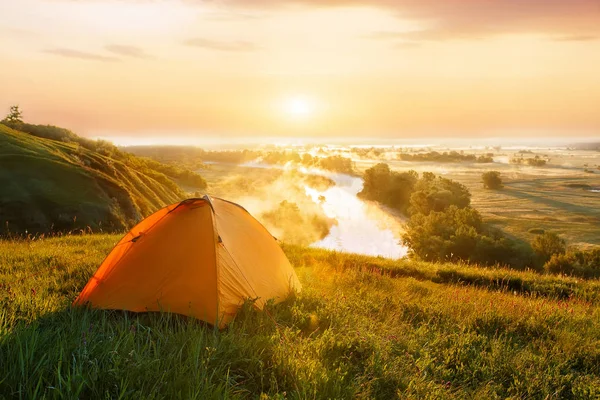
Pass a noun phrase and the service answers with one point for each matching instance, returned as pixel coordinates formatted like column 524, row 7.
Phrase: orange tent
column 200, row 257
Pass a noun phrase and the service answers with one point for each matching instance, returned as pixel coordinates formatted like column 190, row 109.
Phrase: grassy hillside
column 362, row 328
column 53, row 185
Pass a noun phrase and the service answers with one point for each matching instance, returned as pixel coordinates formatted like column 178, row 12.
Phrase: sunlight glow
column 300, row 107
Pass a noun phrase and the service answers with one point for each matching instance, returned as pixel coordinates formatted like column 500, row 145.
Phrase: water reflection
column 361, row 227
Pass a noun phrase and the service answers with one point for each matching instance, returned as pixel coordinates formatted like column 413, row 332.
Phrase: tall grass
column 357, row 330
column 501, row 279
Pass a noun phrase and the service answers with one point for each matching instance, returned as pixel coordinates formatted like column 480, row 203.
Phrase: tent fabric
column 200, row 257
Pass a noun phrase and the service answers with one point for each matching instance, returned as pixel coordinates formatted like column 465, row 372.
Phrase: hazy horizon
column 406, row 142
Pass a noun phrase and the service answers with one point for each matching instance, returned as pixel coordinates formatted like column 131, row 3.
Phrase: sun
column 299, row 107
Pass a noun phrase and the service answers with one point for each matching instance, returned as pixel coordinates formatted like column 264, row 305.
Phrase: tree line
column 443, row 226
column 446, row 157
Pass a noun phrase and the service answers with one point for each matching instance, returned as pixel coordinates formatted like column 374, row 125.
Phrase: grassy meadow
column 529, row 203
column 362, row 327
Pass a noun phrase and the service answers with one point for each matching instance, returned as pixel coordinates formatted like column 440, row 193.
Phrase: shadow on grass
column 568, row 207
column 85, row 353
column 527, row 283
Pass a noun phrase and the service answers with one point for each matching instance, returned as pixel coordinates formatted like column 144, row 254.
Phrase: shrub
column 406, row 192
column 446, row 157
column 536, row 231
column 280, row 157
column 391, row 188
column 337, row 164
column 579, row 185
column 183, row 176
column 548, row 244
column 585, row 264
column 536, row 161
column 319, row 182
column 492, row 180
column 295, row 226
column 457, row 234
column 434, row 193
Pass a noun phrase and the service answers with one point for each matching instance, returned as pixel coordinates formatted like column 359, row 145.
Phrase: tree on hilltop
column 15, row 116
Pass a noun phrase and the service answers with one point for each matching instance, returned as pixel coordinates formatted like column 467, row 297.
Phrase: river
column 361, row 227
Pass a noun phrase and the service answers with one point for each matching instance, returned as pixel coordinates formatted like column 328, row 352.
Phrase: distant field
column 530, row 202
column 362, row 327
column 533, row 197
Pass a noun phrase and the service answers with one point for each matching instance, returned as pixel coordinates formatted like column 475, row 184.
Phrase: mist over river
column 361, row 227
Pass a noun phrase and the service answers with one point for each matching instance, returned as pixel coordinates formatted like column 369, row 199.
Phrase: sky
column 188, row 69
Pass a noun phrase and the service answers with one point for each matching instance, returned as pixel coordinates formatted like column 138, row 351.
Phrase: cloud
column 436, row 34
column 81, row 55
column 442, row 19
column 128, row 51
column 233, row 46
column 18, row 32
column 576, row 38
column 460, row 19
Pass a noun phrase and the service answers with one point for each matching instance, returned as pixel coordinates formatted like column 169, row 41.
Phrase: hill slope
column 52, row 185
column 362, row 327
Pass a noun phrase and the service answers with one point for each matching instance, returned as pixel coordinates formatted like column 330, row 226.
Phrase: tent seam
column 217, row 269
column 240, row 271
column 132, row 241
column 128, row 250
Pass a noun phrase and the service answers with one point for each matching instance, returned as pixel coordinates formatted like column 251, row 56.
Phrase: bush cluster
column 536, row 161
column 585, row 264
column 333, row 163
column 296, row 227
column 388, row 187
column 411, row 194
column 492, row 180
column 447, row 157
column 546, row 245
column 460, row 234
column 442, row 224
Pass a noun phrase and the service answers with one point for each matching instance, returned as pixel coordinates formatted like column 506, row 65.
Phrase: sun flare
column 299, row 107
